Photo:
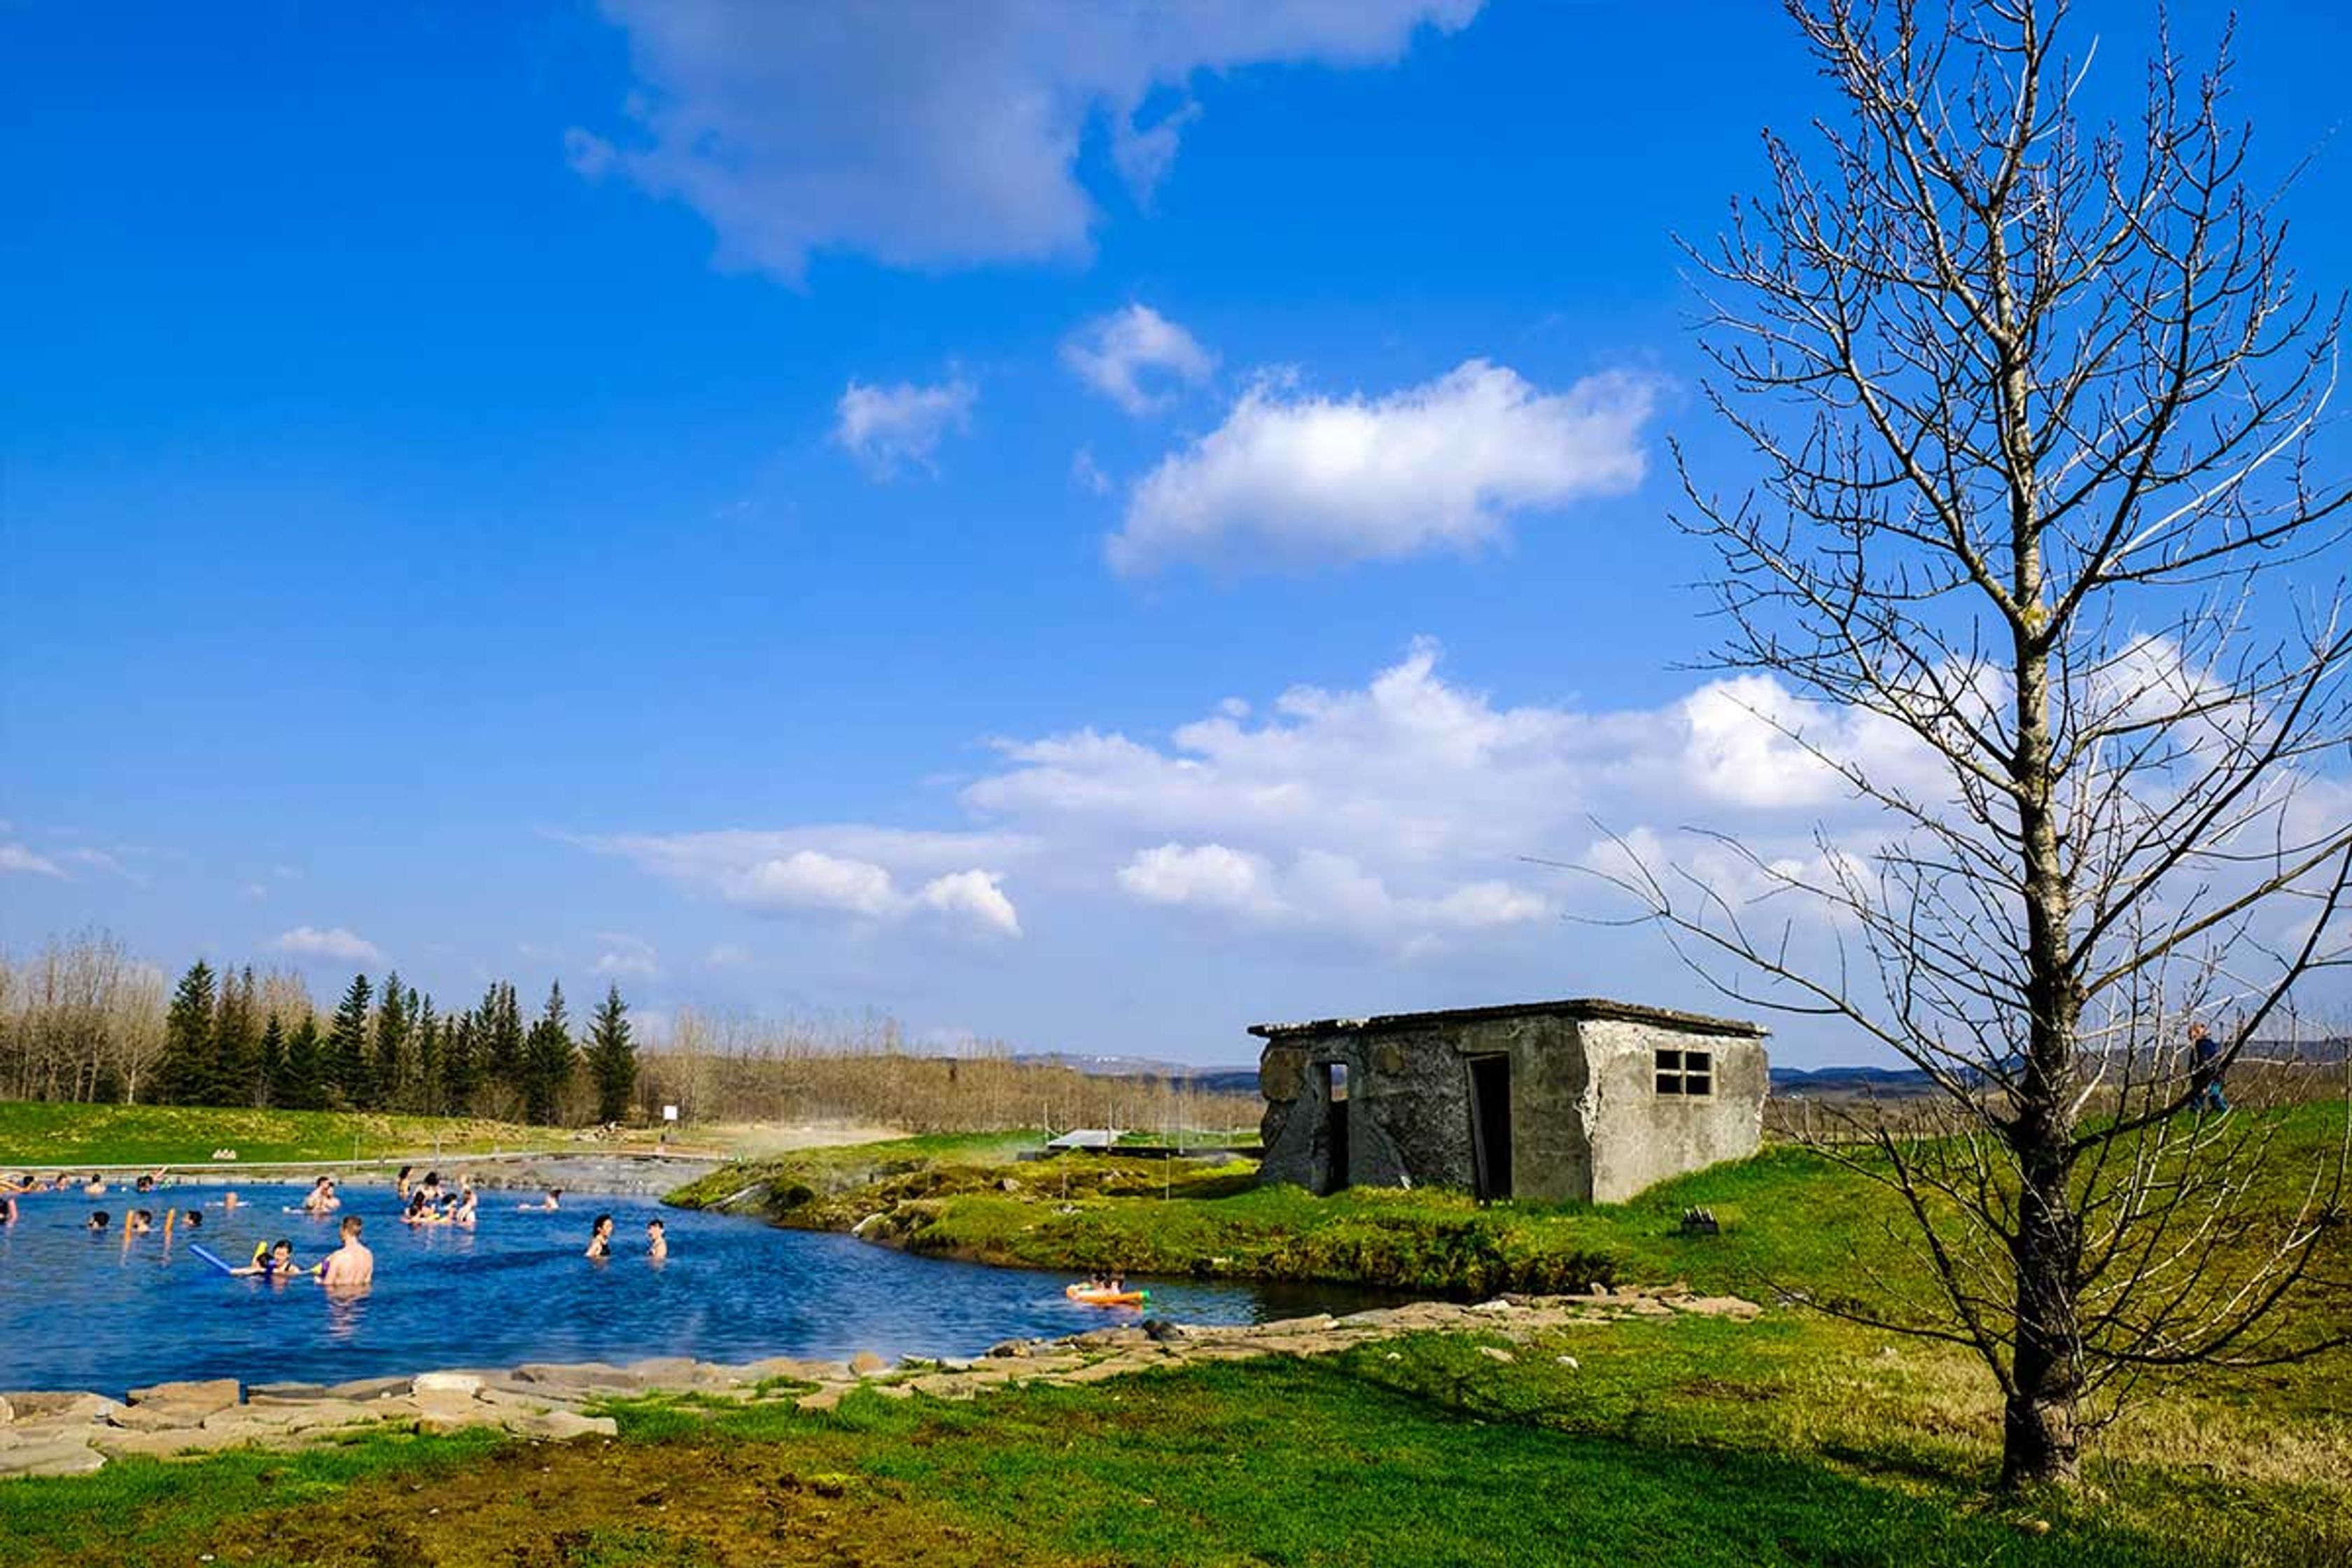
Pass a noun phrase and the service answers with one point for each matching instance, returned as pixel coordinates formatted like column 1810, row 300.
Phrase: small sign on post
column 669, row 1113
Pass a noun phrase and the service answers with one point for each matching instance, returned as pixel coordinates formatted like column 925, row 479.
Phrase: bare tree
column 2038, row 565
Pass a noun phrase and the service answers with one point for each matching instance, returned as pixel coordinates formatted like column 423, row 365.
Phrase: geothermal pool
column 83, row 1311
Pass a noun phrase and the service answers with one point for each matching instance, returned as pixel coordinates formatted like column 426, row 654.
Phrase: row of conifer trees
column 387, row 1047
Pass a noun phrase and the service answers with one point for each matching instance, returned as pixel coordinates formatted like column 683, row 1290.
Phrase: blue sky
column 435, row 533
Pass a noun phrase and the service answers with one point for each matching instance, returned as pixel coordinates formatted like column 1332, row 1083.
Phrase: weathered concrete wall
column 1640, row 1137
column 1587, row 1122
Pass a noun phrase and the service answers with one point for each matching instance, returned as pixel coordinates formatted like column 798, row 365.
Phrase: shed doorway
column 1490, row 1125
column 1331, row 1146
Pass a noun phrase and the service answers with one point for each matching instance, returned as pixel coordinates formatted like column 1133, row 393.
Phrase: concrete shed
column 1584, row 1099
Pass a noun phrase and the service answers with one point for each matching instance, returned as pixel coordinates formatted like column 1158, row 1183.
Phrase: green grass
column 32, row 1133
column 1797, row 1438
column 148, row 1510
column 1692, row 1443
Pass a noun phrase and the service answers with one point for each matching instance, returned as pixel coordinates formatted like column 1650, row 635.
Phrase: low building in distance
column 1584, row 1099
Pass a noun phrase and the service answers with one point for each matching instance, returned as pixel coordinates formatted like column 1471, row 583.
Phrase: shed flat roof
column 1572, row 1007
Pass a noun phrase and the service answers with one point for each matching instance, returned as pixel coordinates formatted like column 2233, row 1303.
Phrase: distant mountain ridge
column 1885, row 1082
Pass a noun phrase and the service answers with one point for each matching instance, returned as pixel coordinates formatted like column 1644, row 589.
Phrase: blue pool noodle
column 201, row 1251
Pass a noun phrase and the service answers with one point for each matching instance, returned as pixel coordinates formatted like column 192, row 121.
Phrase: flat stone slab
column 51, row 1460
column 595, row 1375
column 208, row 1395
column 372, row 1388
column 284, row 1392
column 445, row 1383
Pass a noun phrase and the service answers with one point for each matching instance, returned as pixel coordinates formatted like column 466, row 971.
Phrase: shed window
column 1686, row 1072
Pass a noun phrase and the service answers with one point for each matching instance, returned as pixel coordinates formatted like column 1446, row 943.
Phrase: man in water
column 351, row 1266
column 656, row 1240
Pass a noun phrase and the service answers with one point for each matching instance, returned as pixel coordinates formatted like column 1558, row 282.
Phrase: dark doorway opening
column 1490, row 1124
column 1331, row 1151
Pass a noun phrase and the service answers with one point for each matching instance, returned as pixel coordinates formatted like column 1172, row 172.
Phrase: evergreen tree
column 235, row 1077
column 303, row 1085
column 394, row 1023
column 183, row 1072
column 272, row 1082
column 502, row 1044
column 612, row 1057
column 347, row 1065
column 461, row 1062
column 549, row 1057
column 426, row 1096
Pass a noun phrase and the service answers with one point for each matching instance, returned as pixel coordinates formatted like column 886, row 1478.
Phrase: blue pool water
column 79, row 1311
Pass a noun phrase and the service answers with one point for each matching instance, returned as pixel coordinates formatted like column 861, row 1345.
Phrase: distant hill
column 1821, row 1083
column 1883, row 1082
column 1202, row 1080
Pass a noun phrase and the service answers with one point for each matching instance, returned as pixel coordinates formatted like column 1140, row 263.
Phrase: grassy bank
column 1692, row 1442
column 34, row 1134
column 1789, row 1220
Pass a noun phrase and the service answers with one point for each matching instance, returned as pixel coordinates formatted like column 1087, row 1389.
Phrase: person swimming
column 273, row 1260
column 99, row 1220
column 138, row 1222
column 465, row 1211
column 321, row 1199
column 95, row 1187
column 400, row 1182
column 656, row 1240
column 351, row 1267
column 548, row 1205
column 192, row 1218
column 600, row 1238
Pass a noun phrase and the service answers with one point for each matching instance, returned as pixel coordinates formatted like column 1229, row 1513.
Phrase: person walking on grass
column 2205, row 1071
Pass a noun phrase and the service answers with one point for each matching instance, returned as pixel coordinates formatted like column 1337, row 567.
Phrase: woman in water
column 600, row 1239
column 548, row 1205
column 465, row 1211
column 275, row 1262
column 400, row 1182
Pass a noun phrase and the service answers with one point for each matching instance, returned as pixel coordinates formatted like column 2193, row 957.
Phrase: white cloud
column 888, row 429
column 1088, row 474
column 798, row 128
column 975, row 895
column 1132, row 356
column 626, row 957
column 16, row 858
column 853, row 872
column 806, row 880
column 1207, row 876
column 1391, row 820
column 337, row 942
column 1297, row 480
